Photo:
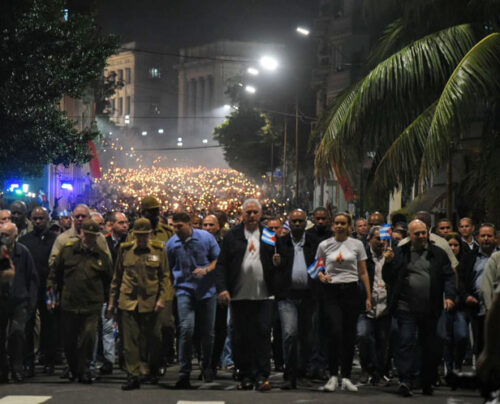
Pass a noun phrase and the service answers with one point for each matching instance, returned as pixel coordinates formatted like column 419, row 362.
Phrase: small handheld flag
column 316, row 267
column 268, row 237
column 385, row 232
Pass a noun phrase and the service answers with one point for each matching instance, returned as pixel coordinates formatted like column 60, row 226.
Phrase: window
column 154, row 72
column 120, row 75
column 128, row 75
column 120, row 106
column 127, row 105
column 113, row 106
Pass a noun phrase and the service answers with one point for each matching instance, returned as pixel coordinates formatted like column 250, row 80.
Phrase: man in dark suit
column 245, row 279
column 118, row 234
column 295, row 252
column 417, row 276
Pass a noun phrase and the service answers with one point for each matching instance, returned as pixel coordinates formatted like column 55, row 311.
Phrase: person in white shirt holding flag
column 345, row 265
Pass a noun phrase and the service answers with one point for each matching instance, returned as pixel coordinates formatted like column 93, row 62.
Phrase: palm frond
column 401, row 162
column 476, row 78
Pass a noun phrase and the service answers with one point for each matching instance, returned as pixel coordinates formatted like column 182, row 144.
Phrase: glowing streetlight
column 204, row 141
column 179, row 139
column 250, row 89
column 227, row 106
column 179, row 144
column 268, row 63
column 303, row 31
column 144, row 133
column 160, row 131
column 253, row 71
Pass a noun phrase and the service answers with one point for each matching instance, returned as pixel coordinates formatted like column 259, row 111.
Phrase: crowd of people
column 303, row 292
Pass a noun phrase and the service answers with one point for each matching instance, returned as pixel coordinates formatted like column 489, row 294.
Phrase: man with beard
column 294, row 253
column 39, row 242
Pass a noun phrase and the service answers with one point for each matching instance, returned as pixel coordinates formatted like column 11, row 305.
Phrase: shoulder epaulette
column 158, row 244
column 127, row 244
column 71, row 242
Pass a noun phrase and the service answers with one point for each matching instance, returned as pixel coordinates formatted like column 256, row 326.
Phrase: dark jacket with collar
column 233, row 250
column 370, row 269
column 467, row 278
column 113, row 249
column 24, row 288
column 283, row 273
column 39, row 246
column 442, row 277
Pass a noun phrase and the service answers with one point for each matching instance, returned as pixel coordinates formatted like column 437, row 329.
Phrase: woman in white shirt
column 345, row 264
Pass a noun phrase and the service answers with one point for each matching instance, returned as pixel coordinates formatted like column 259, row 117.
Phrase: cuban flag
column 385, row 232
column 316, row 267
column 268, row 237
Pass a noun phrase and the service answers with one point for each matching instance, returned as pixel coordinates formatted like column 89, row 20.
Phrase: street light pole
column 296, row 148
column 284, row 158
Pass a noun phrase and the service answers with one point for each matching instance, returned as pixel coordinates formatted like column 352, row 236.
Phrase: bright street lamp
column 250, row 89
column 144, row 133
column 268, row 63
column 204, row 141
column 303, row 31
column 160, row 131
column 253, row 71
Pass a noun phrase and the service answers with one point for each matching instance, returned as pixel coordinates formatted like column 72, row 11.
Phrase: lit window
column 128, row 75
column 155, row 73
column 120, row 75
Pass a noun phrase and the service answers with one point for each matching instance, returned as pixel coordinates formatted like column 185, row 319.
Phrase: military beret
column 150, row 202
column 142, row 226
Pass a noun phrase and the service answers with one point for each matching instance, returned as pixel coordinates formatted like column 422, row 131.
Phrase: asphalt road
column 53, row 390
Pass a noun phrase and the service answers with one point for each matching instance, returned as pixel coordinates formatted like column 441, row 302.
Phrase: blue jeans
column 108, row 339
column 425, row 325
column 296, row 326
column 188, row 308
column 227, row 354
column 373, row 342
column 454, row 330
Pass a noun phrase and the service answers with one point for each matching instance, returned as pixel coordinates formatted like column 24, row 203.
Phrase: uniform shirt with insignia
column 142, row 277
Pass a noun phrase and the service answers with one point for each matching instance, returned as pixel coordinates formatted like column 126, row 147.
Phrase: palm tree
column 434, row 72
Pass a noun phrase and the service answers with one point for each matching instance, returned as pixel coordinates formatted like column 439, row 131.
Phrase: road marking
column 196, row 402
column 24, row 399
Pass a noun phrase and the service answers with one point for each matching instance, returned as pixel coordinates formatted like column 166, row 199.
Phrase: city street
column 107, row 390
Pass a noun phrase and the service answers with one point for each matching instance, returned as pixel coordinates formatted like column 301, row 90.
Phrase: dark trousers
column 141, row 330
column 220, row 330
column 453, row 329
column 49, row 336
column 12, row 336
column 80, row 332
column 477, row 325
column 319, row 355
column 341, row 303
column 418, row 333
column 252, row 342
column 373, row 343
column 296, row 325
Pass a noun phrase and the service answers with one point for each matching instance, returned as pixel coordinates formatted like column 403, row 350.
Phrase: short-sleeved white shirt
column 341, row 258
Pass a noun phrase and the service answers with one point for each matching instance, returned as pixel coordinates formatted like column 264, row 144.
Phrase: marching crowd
column 416, row 304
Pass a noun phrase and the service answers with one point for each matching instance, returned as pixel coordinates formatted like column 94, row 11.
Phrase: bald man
column 417, row 276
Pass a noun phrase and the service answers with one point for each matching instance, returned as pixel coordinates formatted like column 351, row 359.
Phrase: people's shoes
column 162, row 371
column 245, row 384
column 48, row 369
column 183, row 383
column 289, row 385
column 263, row 385
column 404, row 390
column 106, row 368
column 236, row 375
column 85, row 378
column 208, row 375
column 17, row 377
column 132, row 383
column 348, row 385
column 365, row 377
column 427, row 391
column 29, row 371
column 331, row 384
column 68, row 374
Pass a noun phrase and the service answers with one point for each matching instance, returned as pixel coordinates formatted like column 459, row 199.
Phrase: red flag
column 94, row 166
column 345, row 184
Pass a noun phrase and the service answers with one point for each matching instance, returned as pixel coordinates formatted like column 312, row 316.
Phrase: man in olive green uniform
column 82, row 270
column 150, row 209
column 142, row 289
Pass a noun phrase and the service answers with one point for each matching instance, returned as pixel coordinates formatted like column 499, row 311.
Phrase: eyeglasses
column 80, row 216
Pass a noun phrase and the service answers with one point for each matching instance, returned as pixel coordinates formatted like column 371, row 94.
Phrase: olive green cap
column 150, row 202
column 91, row 227
column 142, row 226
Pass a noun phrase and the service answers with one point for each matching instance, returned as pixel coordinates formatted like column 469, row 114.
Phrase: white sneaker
column 347, row 385
column 331, row 384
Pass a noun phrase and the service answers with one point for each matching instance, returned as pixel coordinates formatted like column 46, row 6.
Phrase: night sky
column 177, row 24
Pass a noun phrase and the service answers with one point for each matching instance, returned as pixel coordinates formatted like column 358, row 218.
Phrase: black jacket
column 283, row 273
column 112, row 248
column 233, row 250
column 442, row 277
column 40, row 245
column 370, row 268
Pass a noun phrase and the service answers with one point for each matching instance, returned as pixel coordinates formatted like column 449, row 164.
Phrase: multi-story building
column 203, row 77
column 146, row 102
column 342, row 46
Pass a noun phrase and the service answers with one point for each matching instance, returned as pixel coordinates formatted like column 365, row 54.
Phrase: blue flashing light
column 67, row 186
column 18, row 191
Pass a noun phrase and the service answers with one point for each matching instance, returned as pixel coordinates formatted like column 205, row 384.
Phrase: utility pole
column 296, row 149
column 284, row 186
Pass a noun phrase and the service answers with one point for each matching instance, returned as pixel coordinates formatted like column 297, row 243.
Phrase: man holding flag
column 294, row 253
